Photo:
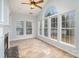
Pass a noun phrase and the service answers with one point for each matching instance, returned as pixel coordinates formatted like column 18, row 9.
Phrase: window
column 40, row 27
column 68, row 26
column 28, row 27
column 46, row 27
column 54, row 28
column 60, row 27
column 51, row 11
column 19, row 27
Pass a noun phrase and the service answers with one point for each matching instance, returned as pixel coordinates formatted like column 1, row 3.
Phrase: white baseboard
column 21, row 38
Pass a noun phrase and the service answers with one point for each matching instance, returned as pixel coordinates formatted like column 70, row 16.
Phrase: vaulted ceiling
column 17, row 7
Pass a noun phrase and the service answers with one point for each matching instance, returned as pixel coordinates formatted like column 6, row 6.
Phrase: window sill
column 68, row 44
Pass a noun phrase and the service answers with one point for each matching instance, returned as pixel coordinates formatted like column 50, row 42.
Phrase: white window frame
column 59, row 28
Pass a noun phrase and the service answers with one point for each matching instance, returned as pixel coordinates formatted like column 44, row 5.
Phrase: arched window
column 51, row 11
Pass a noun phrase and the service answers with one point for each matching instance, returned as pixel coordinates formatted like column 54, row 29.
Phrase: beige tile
column 34, row 48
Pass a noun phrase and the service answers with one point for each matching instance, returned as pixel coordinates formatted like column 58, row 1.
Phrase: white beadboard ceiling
column 17, row 7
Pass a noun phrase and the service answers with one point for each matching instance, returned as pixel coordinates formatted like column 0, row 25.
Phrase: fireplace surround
column 6, row 45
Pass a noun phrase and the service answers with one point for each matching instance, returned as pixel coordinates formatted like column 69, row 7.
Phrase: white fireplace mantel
column 3, row 30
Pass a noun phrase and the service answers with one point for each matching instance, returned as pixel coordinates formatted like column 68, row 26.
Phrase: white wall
column 1, row 43
column 3, row 30
column 0, row 9
column 64, row 5
column 6, row 12
column 4, row 16
column 16, row 17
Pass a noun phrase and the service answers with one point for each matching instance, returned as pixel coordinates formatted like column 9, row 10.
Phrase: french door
column 60, row 27
column 68, row 28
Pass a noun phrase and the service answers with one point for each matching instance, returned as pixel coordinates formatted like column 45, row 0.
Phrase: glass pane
column 28, row 27
column 63, row 21
column 54, row 33
column 65, row 35
column 72, row 19
column 46, row 32
column 68, row 36
column 20, row 27
column 54, row 28
column 29, row 31
column 28, row 24
column 40, row 27
column 54, row 22
column 46, row 27
column 68, row 22
column 72, row 23
column 72, row 36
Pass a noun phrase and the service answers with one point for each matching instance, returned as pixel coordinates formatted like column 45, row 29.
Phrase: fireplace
column 6, row 45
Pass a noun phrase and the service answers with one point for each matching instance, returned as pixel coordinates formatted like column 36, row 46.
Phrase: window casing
column 23, row 28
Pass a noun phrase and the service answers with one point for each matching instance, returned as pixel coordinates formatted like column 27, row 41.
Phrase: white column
column 77, row 31
column 43, row 27
column 25, row 28
column 1, row 43
column 59, row 27
column 38, row 28
column 49, row 27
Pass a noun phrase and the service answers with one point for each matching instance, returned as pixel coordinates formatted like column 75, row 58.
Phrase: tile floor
column 35, row 48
